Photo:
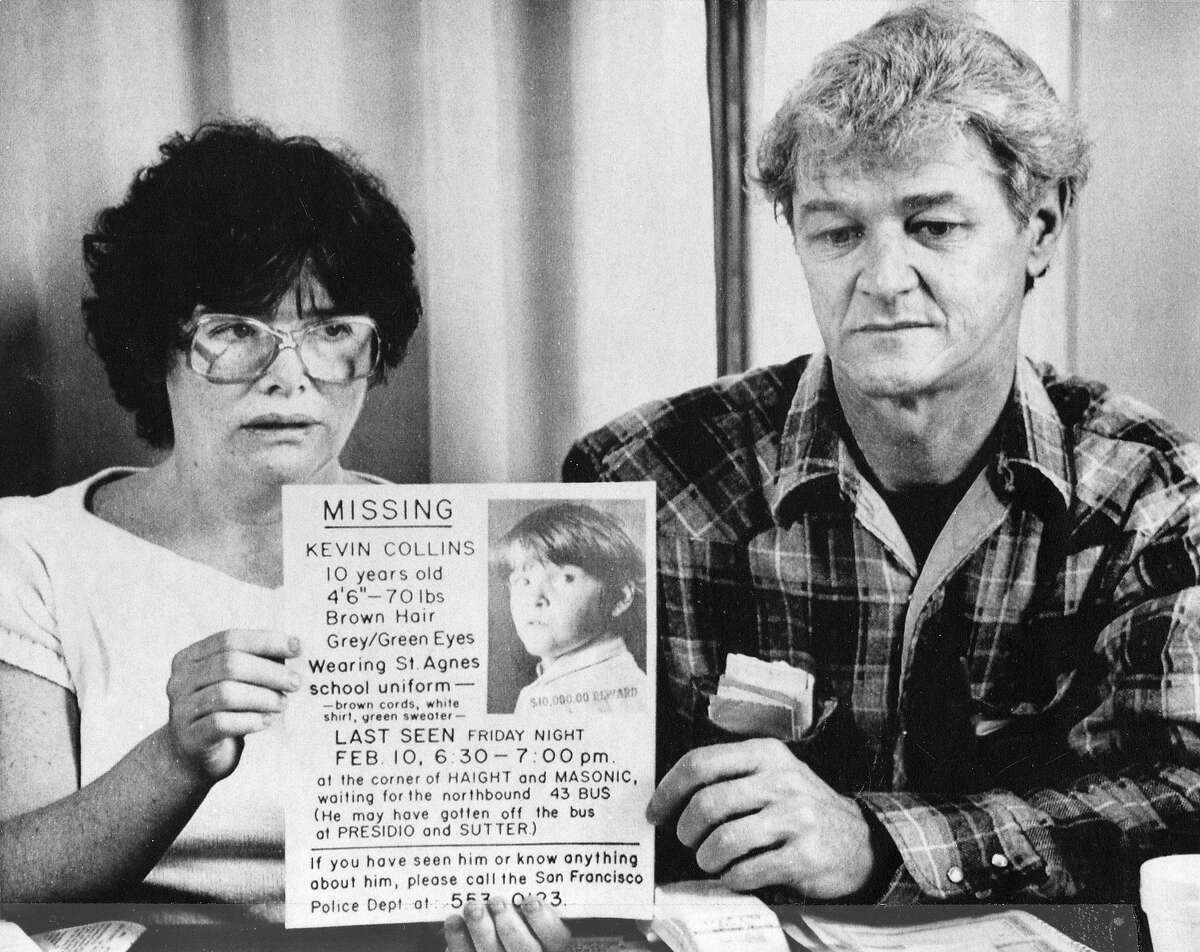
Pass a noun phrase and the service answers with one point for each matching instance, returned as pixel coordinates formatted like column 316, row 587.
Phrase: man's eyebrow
column 815, row 205
column 918, row 203
column 909, row 203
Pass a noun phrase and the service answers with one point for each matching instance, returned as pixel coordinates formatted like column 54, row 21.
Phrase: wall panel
column 1139, row 316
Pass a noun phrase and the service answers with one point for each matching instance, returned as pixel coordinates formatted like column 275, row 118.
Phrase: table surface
column 1104, row 928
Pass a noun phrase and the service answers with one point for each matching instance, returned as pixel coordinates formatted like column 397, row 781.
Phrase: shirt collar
column 590, row 654
column 1033, row 464
column 1035, row 461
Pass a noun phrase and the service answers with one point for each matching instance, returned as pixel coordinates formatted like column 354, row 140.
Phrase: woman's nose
column 286, row 371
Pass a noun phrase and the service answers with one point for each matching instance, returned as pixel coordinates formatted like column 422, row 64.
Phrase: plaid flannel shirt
column 1023, row 714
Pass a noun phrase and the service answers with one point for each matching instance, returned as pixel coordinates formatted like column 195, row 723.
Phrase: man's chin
column 894, row 380
column 891, row 366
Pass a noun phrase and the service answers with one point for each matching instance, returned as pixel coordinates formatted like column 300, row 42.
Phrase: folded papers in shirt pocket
column 762, row 699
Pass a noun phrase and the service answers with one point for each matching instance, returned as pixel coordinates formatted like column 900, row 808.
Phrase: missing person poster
column 477, row 713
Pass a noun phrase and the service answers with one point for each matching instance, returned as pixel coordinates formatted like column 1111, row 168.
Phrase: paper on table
column 14, row 939
column 705, row 916
column 110, row 936
column 1009, row 930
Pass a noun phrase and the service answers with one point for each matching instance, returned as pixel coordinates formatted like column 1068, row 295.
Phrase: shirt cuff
column 977, row 847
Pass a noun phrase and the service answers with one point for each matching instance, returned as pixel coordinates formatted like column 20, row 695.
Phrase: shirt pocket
column 718, row 598
column 832, row 746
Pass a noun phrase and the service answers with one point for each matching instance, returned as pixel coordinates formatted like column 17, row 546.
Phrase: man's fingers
column 706, row 765
column 719, row 803
column 550, row 930
column 693, row 771
column 733, row 841
column 762, row 869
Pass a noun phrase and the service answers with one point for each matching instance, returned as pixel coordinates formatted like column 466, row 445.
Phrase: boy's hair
column 574, row 534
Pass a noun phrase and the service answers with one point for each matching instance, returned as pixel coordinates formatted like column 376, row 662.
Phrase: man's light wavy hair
column 895, row 92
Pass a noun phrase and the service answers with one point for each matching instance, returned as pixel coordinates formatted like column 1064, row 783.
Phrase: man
column 989, row 570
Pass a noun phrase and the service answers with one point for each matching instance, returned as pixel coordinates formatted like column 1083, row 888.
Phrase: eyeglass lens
column 241, row 349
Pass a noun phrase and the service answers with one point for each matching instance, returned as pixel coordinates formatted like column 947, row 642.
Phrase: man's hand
column 760, row 817
column 499, row 927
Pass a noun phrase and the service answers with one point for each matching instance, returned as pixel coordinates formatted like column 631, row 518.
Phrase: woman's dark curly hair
column 228, row 218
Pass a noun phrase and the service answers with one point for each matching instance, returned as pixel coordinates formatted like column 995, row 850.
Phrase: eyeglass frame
column 283, row 340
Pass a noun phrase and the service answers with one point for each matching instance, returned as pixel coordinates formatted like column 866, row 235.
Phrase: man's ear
column 624, row 598
column 1045, row 228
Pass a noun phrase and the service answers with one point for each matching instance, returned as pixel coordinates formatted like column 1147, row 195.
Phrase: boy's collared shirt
column 1021, row 713
column 600, row 677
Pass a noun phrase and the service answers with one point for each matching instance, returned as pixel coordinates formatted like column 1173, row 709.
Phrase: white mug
column 1170, row 894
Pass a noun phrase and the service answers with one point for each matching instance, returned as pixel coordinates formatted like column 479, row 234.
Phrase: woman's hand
column 224, row 687
column 501, row 927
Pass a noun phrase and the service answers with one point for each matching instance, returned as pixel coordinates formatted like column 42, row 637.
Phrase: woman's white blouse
column 89, row 606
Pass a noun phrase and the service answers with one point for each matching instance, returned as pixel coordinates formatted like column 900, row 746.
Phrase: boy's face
column 555, row 608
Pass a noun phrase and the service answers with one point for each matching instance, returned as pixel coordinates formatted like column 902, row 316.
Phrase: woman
column 248, row 291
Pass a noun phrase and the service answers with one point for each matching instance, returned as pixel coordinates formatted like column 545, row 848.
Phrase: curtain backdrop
column 90, row 88
column 554, row 159
column 551, row 157
column 735, row 43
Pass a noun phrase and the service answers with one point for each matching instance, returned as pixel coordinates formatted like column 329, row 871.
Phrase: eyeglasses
column 230, row 348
